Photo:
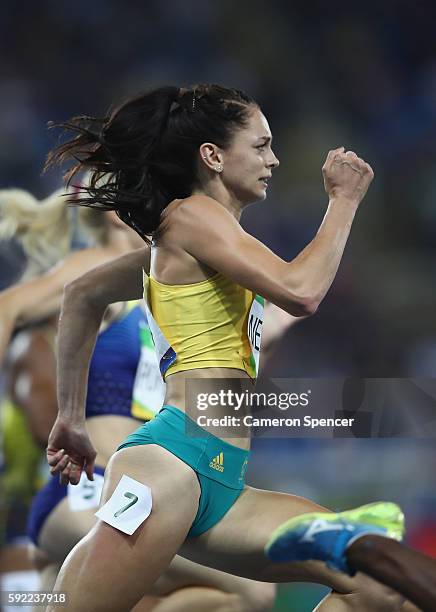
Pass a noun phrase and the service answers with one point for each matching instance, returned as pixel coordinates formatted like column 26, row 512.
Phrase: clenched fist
column 346, row 175
column 69, row 451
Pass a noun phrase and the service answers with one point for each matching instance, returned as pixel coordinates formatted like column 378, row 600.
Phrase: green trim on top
column 145, row 337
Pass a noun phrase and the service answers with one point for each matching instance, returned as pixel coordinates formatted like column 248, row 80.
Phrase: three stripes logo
column 217, row 463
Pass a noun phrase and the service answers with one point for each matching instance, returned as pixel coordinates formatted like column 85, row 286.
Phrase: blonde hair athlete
column 45, row 231
column 33, row 300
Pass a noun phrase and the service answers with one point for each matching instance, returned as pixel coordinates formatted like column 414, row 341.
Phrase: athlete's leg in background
column 189, row 582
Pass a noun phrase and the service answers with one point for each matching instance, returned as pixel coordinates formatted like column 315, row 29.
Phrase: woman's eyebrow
column 265, row 139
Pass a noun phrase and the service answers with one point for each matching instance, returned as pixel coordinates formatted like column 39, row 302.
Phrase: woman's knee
column 260, row 596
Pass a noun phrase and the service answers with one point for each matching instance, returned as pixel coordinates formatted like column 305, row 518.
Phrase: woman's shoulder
column 196, row 220
column 193, row 211
column 193, row 201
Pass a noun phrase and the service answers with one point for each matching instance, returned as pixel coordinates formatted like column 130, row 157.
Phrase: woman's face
column 249, row 160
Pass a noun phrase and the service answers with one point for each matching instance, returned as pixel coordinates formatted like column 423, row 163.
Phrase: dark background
column 326, row 74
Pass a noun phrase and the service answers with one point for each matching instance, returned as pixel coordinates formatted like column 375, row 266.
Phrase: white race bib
column 149, row 388
column 85, row 495
column 254, row 330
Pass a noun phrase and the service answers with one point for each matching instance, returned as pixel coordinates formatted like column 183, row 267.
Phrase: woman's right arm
column 85, row 301
column 297, row 286
column 84, row 304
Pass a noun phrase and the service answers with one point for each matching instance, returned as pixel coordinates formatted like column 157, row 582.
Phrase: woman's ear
column 211, row 156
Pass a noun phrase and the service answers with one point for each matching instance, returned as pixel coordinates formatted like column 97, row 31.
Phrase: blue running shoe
column 324, row 536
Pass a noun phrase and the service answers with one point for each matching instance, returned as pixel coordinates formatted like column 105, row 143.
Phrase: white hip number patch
column 128, row 506
column 86, row 494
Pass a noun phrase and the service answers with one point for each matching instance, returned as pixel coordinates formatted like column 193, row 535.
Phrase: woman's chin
column 262, row 193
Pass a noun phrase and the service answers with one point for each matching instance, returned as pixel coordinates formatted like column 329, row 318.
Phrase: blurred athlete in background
column 46, row 231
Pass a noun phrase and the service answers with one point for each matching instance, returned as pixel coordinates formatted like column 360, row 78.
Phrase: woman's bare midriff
column 183, row 389
column 108, row 431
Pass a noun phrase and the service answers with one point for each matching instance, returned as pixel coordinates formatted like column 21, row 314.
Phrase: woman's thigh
column 64, row 528
column 236, row 544
column 109, row 570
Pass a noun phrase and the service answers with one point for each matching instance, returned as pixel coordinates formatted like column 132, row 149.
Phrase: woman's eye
column 261, row 147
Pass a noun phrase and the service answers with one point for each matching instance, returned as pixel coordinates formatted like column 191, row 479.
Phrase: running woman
column 183, row 164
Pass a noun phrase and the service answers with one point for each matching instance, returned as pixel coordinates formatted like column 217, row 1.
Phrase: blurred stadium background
column 326, row 74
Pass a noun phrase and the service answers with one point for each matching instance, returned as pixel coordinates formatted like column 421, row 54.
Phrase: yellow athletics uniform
column 213, row 323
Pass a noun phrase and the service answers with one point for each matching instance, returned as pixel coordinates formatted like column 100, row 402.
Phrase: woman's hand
column 346, row 176
column 69, row 451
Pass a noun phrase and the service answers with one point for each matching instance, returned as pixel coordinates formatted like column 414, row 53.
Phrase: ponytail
column 147, row 149
column 122, row 147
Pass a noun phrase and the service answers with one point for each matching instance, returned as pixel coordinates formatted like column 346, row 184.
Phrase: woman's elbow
column 71, row 290
column 303, row 306
column 77, row 292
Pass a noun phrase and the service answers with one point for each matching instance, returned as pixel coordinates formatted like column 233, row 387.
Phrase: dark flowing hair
column 144, row 153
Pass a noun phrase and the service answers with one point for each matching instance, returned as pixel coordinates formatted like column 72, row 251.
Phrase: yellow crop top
column 212, row 323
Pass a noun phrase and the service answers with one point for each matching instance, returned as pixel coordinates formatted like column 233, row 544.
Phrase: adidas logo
column 217, row 463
